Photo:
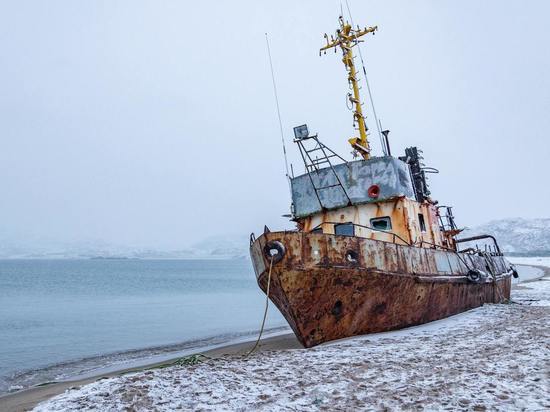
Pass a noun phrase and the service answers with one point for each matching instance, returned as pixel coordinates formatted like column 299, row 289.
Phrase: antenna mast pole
column 278, row 110
column 346, row 39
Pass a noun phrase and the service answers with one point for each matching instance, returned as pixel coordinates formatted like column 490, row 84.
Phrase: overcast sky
column 153, row 123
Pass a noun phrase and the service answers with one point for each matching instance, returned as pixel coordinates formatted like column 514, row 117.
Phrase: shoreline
column 544, row 269
column 28, row 398
column 132, row 358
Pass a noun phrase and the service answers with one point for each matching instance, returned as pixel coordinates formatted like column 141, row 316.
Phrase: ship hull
column 330, row 287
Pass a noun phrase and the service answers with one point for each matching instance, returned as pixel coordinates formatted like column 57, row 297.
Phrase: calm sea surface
column 67, row 318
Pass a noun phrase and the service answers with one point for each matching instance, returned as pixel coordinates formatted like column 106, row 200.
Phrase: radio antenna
column 278, row 109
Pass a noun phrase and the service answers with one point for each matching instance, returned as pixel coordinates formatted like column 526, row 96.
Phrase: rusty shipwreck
column 372, row 250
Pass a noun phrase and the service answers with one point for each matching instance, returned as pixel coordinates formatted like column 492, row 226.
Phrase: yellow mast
column 346, row 38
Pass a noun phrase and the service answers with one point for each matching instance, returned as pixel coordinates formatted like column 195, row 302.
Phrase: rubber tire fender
column 474, row 275
column 274, row 245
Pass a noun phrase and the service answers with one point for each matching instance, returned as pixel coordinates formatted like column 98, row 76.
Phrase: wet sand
column 29, row 398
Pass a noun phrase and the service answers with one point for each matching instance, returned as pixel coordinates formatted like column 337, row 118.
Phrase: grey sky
column 153, row 123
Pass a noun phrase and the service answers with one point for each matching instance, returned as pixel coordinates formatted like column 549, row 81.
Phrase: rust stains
column 325, row 292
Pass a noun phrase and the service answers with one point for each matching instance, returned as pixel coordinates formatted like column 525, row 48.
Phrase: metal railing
column 480, row 237
column 420, row 243
column 394, row 235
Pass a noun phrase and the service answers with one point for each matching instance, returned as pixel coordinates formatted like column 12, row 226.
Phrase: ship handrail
column 480, row 237
column 436, row 246
column 395, row 235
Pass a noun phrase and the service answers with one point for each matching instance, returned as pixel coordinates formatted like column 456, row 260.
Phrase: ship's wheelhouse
column 376, row 198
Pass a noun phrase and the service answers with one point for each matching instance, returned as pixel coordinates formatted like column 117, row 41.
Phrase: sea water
column 61, row 319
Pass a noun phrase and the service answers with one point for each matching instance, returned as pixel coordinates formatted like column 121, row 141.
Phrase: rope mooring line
column 265, row 310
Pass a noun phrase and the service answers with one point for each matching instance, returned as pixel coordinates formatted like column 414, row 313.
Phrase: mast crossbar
column 346, row 38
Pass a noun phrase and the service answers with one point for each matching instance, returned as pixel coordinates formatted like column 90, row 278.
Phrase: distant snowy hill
column 517, row 235
column 219, row 247
column 223, row 246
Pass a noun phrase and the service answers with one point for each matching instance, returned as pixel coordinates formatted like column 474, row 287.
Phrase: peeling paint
column 386, row 286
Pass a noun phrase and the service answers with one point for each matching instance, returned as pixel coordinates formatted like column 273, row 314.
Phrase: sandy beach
column 492, row 358
column 28, row 399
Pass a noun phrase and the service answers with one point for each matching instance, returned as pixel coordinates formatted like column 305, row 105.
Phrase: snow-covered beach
column 495, row 357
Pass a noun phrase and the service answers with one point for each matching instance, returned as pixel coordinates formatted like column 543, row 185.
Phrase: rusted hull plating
column 331, row 287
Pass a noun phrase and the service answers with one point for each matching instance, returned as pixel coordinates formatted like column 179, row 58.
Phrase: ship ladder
column 313, row 165
column 492, row 271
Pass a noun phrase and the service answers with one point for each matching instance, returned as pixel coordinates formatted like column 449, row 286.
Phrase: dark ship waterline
column 372, row 251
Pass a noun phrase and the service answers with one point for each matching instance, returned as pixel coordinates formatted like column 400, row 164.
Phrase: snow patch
column 537, row 261
column 495, row 357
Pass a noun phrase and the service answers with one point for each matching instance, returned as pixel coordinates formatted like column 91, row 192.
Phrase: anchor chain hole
column 352, row 256
column 337, row 308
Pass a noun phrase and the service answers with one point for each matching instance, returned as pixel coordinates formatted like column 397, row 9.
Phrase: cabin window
column 422, row 222
column 344, row 229
column 381, row 223
column 317, row 230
